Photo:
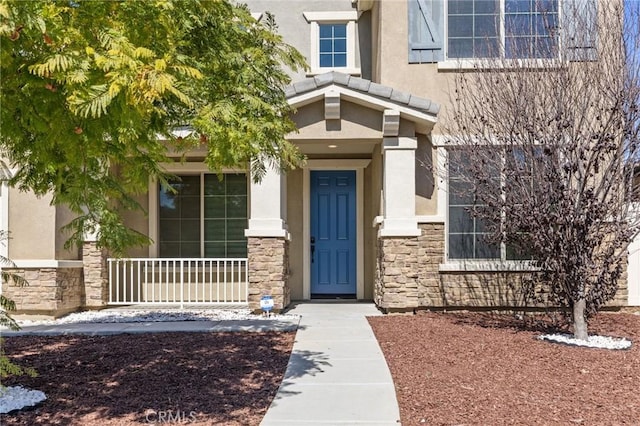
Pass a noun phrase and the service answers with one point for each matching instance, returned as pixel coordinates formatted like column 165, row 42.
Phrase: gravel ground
column 482, row 369
column 183, row 378
column 14, row 398
column 156, row 315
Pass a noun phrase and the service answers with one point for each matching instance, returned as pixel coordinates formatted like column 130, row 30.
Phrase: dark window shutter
column 426, row 31
column 579, row 29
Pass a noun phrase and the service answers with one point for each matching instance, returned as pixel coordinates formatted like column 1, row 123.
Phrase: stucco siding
column 426, row 183
column 139, row 221
column 392, row 59
column 357, row 122
column 63, row 217
column 296, row 31
column 32, row 226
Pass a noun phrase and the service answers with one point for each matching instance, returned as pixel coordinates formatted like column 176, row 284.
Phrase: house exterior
column 369, row 217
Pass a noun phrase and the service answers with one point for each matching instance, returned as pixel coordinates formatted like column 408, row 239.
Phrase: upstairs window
column 512, row 29
column 479, row 28
column 333, row 42
column 333, row 45
column 473, row 28
column 530, row 28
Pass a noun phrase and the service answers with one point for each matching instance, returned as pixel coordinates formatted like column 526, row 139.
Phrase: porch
column 310, row 233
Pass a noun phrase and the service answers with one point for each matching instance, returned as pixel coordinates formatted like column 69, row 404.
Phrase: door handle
column 313, row 248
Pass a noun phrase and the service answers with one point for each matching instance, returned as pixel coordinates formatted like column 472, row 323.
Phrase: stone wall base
column 268, row 260
column 51, row 291
column 59, row 291
column 95, row 276
column 408, row 277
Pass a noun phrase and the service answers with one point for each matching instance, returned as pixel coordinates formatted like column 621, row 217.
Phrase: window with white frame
column 333, row 45
column 203, row 215
column 468, row 236
column 333, row 41
column 514, row 29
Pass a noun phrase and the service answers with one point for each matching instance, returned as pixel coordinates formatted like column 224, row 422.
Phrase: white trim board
column 4, row 218
column 47, row 263
column 633, row 274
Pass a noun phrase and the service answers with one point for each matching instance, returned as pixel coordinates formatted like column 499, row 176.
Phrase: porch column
column 94, row 272
column 268, row 241
column 396, row 285
column 399, row 188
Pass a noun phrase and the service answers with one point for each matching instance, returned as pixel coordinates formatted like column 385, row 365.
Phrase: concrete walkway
column 337, row 374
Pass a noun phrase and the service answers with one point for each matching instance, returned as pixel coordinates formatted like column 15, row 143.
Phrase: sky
column 632, row 15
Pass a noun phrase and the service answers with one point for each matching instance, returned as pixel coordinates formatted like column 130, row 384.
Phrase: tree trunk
column 579, row 322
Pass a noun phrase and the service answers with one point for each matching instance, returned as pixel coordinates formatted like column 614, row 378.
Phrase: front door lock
column 313, row 248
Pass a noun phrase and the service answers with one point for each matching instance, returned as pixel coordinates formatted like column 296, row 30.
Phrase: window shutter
column 426, row 31
column 579, row 19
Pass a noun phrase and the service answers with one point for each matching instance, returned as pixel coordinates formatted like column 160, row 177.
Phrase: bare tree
column 546, row 136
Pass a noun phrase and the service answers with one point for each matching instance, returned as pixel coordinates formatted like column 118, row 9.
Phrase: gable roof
column 362, row 91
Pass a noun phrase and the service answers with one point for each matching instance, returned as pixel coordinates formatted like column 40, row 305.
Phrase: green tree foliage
column 8, row 368
column 91, row 91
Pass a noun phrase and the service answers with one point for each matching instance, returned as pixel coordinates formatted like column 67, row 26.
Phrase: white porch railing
column 177, row 281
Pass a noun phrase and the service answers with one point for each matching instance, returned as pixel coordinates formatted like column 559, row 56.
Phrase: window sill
column 487, row 266
column 486, row 64
column 344, row 70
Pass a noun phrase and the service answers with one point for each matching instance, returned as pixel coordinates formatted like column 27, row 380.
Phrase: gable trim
column 365, row 100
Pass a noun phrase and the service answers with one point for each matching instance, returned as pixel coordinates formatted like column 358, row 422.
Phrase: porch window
column 203, row 216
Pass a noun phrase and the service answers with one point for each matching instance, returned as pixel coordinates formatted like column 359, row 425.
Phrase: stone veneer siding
column 58, row 291
column 408, row 277
column 51, row 291
column 96, row 282
column 268, row 259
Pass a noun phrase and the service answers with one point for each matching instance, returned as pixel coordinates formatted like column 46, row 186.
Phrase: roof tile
column 379, row 90
column 359, row 84
column 400, row 96
column 324, row 79
column 305, row 85
column 362, row 85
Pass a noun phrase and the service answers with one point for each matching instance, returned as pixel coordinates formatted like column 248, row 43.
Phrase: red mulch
column 188, row 378
column 484, row 369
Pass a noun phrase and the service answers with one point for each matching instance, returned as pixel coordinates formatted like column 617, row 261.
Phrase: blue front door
column 333, row 233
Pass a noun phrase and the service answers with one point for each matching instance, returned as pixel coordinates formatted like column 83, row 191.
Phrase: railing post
column 181, row 283
column 110, row 274
column 131, row 281
column 139, row 282
column 246, row 280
